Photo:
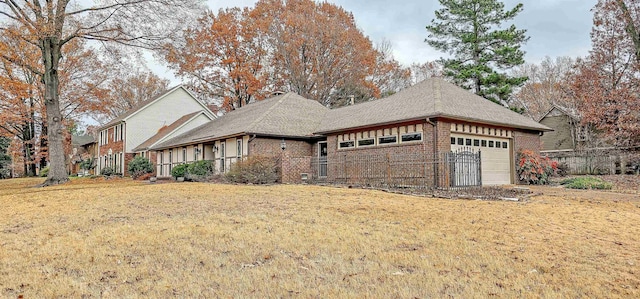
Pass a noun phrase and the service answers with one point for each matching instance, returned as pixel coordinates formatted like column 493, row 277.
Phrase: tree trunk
column 51, row 56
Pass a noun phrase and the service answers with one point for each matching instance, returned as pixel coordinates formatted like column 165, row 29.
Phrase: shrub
column 586, row 183
column 179, row 171
column 44, row 172
column 254, row 170
column 534, row 169
column 87, row 164
column 139, row 166
column 199, row 170
column 106, row 171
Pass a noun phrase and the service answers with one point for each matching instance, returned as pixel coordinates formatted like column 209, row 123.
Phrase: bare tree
column 52, row 24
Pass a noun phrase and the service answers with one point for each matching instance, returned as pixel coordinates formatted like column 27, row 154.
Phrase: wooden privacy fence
column 597, row 162
column 449, row 170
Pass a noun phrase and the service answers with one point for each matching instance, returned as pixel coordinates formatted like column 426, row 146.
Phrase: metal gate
column 465, row 168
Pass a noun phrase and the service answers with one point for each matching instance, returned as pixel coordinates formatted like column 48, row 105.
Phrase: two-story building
column 168, row 114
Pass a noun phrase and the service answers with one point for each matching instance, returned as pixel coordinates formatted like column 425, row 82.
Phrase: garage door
column 495, row 156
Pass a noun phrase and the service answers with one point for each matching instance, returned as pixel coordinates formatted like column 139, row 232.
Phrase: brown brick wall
column 271, row 147
column 526, row 140
column 295, row 159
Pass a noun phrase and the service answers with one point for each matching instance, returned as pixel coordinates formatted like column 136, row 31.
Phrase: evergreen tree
column 5, row 158
column 481, row 50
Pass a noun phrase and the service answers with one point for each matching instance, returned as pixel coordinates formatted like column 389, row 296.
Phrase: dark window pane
column 460, row 141
column 504, row 145
column 412, row 137
column 484, row 143
column 453, row 140
column 468, row 141
column 387, row 139
column 347, row 144
column 366, row 142
column 476, row 142
column 491, row 143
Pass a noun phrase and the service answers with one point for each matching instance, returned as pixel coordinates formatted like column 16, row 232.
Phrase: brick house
column 261, row 128
column 82, row 147
column 425, row 121
column 121, row 138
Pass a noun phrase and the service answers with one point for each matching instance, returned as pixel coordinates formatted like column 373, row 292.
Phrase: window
column 366, row 142
column 498, row 144
column 484, row 143
column 504, row 145
column 453, row 140
column 239, row 148
column 184, row 154
column 115, row 133
column 468, row 141
column 121, row 132
column 196, row 150
column 411, row 137
column 476, row 142
column 161, row 159
column 222, row 157
column 491, row 143
column 460, row 141
column 387, row 139
column 347, row 144
column 170, row 160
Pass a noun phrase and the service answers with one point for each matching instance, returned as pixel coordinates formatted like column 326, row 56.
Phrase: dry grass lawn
column 115, row 239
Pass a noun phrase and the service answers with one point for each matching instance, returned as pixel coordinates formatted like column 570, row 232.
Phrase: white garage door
column 495, row 153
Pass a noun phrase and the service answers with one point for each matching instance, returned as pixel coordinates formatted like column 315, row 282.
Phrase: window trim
column 366, row 145
column 410, row 141
column 387, row 136
column 340, row 144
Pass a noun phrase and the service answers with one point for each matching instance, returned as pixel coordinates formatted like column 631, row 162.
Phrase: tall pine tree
column 471, row 32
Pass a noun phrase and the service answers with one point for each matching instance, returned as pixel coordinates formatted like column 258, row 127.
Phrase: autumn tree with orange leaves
column 47, row 26
column 548, row 84
column 313, row 49
column 607, row 84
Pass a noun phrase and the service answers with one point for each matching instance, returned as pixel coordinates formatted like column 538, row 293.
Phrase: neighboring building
column 82, row 148
column 567, row 135
column 120, row 139
column 425, row 121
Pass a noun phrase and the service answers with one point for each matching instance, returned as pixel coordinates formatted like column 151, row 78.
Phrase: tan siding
column 559, row 139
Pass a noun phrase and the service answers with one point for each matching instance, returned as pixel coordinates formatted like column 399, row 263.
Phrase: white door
column 495, row 154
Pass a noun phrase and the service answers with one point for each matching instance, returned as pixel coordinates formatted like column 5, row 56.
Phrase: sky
column 556, row 27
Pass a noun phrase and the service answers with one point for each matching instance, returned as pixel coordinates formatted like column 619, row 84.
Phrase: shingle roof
column 164, row 131
column 82, row 140
column 287, row 115
column 433, row 97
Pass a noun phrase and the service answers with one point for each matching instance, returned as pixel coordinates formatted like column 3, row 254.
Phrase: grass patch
column 121, row 238
column 586, row 183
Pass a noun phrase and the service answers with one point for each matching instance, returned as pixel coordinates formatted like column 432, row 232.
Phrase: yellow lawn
column 120, row 238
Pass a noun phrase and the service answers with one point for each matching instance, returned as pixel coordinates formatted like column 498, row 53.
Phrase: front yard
column 120, row 238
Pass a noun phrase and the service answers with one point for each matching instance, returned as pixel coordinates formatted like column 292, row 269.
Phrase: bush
column 107, row 171
column 44, row 172
column 586, row 183
column 199, row 170
column 88, row 163
column 253, row 170
column 179, row 171
column 139, row 166
column 534, row 169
